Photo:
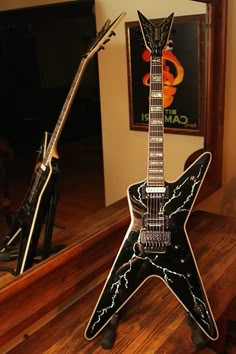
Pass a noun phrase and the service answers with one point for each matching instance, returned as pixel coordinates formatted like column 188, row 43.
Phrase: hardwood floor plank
column 152, row 321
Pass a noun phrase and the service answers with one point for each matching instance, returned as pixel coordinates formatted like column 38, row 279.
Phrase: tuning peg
column 107, row 40
column 101, row 48
column 112, row 34
column 170, row 45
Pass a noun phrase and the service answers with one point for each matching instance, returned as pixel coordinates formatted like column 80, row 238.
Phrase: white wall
column 125, row 151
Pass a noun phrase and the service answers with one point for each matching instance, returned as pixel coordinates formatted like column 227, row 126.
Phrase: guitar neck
column 103, row 36
column 155, row 175
column 52, row 146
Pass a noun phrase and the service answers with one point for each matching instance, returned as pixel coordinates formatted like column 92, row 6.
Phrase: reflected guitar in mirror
column 156, row 243
column 21, row 241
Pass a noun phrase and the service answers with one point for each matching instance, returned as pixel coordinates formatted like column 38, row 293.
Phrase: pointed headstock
column 155, row 37
column 104, row 36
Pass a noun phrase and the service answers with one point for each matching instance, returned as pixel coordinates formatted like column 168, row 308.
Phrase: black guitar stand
column 109, row 333
column 36, row 255
column 47, row 248
column 16, row 251
column 198, row 340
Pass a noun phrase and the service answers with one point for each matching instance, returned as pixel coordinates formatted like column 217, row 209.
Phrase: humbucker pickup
column 153, row 221
column 154, row 192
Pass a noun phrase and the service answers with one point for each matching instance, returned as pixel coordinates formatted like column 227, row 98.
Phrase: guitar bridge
column 155, row 241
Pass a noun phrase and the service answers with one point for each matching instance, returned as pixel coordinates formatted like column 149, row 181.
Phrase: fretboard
column 155, row 176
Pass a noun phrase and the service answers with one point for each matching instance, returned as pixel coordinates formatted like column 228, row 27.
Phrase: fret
column 156, row 161
column 154, row 169
column 156, row 181
column 159, row 178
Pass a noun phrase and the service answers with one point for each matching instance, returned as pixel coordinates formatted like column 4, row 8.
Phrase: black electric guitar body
column 156, row 243
column 27, row 223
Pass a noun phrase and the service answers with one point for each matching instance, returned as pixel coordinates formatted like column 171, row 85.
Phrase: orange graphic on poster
column 170, row 81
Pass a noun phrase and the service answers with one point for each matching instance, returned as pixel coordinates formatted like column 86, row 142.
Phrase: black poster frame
column 184, row 73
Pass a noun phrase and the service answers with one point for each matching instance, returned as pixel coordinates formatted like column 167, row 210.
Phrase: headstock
column 104, row 35
column 155, row 37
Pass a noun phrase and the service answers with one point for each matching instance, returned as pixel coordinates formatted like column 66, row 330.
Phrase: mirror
column 216, row 57
column 213, row 139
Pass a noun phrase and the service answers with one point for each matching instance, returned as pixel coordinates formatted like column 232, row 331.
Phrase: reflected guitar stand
column 16, row 251
column 109, row 333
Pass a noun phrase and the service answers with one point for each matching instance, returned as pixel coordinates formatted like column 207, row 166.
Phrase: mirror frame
column 215, row 94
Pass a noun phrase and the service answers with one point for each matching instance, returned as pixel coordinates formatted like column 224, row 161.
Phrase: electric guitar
column 156, row 243
column 28, row 220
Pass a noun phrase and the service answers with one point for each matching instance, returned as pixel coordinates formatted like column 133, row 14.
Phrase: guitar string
column 162, row 144
column 155, row 200
column 158, row 128
column 156, row 136
column 156, row 142
column 149, row 210
column 157, row 146
column 150, row 213
column 152, row 146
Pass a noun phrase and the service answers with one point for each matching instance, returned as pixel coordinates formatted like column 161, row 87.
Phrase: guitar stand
column 47, row 248
column 109, row 334
column 36, row 255
column 197, row 337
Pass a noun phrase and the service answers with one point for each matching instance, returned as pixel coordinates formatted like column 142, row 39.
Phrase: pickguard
column 176, row 267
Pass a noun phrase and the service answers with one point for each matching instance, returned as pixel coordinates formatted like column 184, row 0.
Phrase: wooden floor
column 154, row 322
column 64, row 334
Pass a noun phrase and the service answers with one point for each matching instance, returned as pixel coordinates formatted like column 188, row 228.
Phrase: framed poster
column 183, row 76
